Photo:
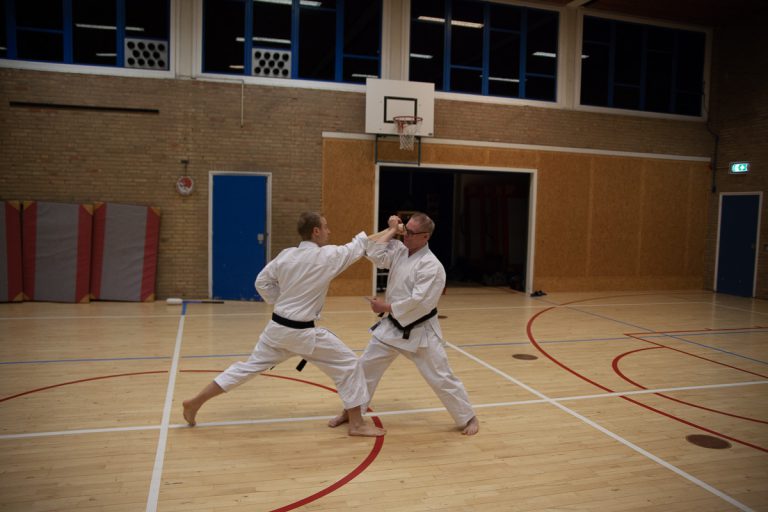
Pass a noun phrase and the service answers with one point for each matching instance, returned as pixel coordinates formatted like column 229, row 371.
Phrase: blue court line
column 94, row 360
column 216, row 356
column 110, row 359
column 656, row 333
column 498, row 344
column 677, row 337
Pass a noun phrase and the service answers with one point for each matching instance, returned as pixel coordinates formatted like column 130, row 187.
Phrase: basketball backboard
column 387, row 99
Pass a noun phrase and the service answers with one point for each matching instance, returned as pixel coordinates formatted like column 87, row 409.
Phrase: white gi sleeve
column 342, row 256
column 382, row 254
column 266, row 282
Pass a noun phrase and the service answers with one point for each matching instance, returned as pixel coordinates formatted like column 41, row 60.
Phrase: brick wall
column 130, row 156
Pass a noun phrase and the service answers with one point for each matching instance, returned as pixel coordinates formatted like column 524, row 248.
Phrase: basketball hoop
column 407, row 126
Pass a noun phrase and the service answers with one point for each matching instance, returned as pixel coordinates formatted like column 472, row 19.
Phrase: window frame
column 559, row 77
column 340, row 55
column 579, row 43
column 96, row 69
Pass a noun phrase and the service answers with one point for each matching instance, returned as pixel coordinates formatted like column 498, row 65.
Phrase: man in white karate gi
column 411, row 328
column 296, row 282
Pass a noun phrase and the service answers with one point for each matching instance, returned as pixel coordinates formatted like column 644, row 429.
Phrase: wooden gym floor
column 591, row 401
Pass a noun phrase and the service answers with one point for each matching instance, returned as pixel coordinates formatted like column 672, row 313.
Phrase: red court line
column 344, row 480
column 693, row 355
column 378, row 443
column 355, row 472
column 535, row 343
column 78, row 382
column 621, row 374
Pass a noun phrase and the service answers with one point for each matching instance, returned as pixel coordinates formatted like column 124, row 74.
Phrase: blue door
column 238, row 234
column 738, row 244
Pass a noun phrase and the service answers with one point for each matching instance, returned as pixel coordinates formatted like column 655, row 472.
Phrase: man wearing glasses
column 409, row 325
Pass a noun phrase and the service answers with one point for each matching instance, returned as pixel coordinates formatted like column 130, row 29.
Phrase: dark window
column 223, row 47
column 123, row 33
column 362, row 46
column 642, row 67
column 39, row 30
column 427, row 42
column 491, row 49
column 95, row 32
column 317, row 42
column 541, row 44
column 3, row 32
column 330, row 40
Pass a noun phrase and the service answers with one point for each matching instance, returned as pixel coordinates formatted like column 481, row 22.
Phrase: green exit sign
column 739, row 167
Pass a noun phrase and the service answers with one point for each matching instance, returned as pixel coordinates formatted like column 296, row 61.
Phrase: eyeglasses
column 411, row 233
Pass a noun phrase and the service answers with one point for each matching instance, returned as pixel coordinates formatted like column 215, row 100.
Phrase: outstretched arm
column 395, row 228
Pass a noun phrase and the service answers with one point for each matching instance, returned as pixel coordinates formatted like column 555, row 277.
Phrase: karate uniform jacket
column 414, row 287
column 297, row 281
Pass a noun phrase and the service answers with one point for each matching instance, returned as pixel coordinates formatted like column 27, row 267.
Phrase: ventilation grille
column 272, row 63
column 146, row 54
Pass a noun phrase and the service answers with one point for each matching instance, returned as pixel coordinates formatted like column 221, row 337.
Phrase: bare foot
column 472, row 427
column 366, row 430
column 339, row 420
column 190, row 411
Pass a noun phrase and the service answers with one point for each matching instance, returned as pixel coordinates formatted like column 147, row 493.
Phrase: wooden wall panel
column 348, row 199
column 663, row 231
column 697, row 208
column 454, row 155
column 515, row 158
column 563, row 215
column 389, row 151
column 602, row 222
column 615, row 216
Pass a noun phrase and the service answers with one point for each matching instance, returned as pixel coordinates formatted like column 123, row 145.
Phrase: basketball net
column 407, row 126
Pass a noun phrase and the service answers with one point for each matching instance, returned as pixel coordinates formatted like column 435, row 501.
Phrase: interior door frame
column 267, row 221
column 759, row 195
column 532, row 193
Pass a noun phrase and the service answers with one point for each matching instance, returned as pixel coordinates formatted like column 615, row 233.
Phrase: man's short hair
column 425, row 223
column 308, row 221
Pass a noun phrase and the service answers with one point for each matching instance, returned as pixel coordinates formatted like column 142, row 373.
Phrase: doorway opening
column 482, row 219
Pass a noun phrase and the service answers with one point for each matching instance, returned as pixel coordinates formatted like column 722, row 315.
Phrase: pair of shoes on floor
column 538, row 293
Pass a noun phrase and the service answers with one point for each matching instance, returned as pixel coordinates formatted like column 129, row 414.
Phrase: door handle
column 260, row 238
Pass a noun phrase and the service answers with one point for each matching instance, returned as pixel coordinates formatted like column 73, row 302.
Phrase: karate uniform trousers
column 296, row 282
column 414, row 286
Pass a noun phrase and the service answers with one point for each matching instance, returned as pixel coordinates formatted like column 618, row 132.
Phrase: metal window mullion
column 643, row 68
column 248, row 39
column 295, row 14
column 120, row 23
column 339, row 67
column 68, row 31
column 486, row 72
column 447, row 45
column 611, row 63
column 380, row 5
column 523, row 53
column 673, row 83
column 10, row 29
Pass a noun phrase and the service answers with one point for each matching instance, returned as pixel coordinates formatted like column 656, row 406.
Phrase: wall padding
column 125, row 245
column 56, row 251
column 10, row 252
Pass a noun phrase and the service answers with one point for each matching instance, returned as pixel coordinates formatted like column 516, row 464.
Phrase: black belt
column 407, row 329
column 293, row 324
